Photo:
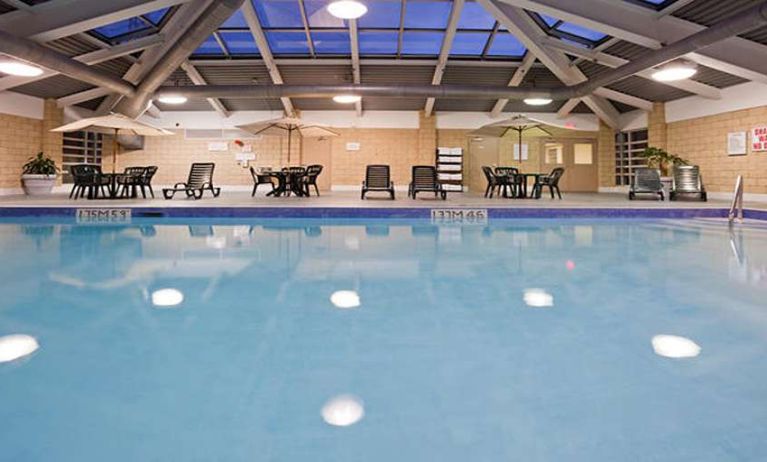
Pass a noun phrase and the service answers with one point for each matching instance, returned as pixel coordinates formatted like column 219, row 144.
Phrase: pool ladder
column 736, row 209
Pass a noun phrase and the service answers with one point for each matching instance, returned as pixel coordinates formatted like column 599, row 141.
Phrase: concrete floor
column 351, row 199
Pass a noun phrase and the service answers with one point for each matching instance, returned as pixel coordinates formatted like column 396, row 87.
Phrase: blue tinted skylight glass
column 427, row 14
column 474, row 16
column 318, row 15
column 550, row 21
column 157, row 16
column 506, row 45
column 378, row 43
column 469, row 43
column 126, row 26
column 278, row 13
column 579, row 31
column 381, row 14
column 421, row 43
column 236, row 21
column 334, row 43
column 239, row 43
column 209, row 47
column 288, row 42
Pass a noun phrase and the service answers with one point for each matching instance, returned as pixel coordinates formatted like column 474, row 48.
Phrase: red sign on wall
column 759, row 139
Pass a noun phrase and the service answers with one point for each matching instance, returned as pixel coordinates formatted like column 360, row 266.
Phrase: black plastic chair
column 258, row 180
column 493, row 182
column 310, row 179
column 130, row 181
column 510, row 179
column 146, row 180
column 646, row 181
column 87, row 180
column 552, row 181
column 378, row 179
column 424, row 179
column 200, row 180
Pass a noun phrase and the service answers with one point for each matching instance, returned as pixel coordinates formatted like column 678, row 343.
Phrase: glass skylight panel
column 427, row 14
column 157, row 16
column 279, row 13
column 574, row 29
column 318, row 15
column 475, row 17
column 236, row 21
column 506, row 44
column 288, row 42
column 209, row 47
column 333, row 43
column 421, row 43
column 378, row 43
column 124, row 27
column 239, row 43
column 383, row 14
column 469, row 43
column 569, row 31
column 550, row 21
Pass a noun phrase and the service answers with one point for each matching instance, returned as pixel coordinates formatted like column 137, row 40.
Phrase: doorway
column 318, row 151
column 578, row 158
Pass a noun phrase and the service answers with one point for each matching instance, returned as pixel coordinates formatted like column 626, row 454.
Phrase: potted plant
column 39, row 175
column 662, row 160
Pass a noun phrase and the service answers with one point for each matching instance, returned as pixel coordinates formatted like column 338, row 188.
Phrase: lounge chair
column 552, row 181
column 377, row 178
column 310, row 179
column 688, row 184
column 425, row 180
column 259, row 179
column 200, row 179
column 646, row 181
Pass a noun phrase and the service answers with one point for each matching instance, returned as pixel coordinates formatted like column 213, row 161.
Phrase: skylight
column 128, row 29
column 568, row 31
column 654, row 4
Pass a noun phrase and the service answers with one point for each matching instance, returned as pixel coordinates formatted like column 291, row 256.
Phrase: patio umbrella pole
column 290, row 138
column 114, row 152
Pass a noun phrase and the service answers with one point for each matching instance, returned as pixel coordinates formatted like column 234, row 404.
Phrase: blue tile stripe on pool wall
column 413, row 212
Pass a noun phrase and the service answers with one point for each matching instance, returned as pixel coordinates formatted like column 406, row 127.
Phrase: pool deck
column 240, row 203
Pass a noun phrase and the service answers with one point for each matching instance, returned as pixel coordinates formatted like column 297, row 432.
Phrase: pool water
column 558, row 340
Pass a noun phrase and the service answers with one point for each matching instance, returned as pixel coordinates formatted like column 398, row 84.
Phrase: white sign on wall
column 759, row 139
column 353, row 146
column 525, row 152
column 218, row 146
column 244, row 156
column 736, row 144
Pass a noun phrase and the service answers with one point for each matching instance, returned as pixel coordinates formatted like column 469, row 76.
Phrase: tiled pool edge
column 405, row 212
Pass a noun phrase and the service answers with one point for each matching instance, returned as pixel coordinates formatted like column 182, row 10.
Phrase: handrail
column 736, row 209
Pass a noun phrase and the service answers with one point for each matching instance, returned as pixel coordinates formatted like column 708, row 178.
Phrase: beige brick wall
column 606, row 155
column 703, row 142
column 657, row 132
column 20, row 139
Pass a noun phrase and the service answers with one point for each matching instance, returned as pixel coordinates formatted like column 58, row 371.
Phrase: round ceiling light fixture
column 347, row 9
column 173, row 99
column 347, row 99
column 538, row 101
column 12, row 67
column 675, row 71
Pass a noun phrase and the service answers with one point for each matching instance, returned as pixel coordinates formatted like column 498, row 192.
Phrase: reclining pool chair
column 688, row 184
column 377, row 178
column 646, row 181
column 425, row 180
column 200, row 179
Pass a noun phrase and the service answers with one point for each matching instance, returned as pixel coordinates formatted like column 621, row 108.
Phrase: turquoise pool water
column 560, row 340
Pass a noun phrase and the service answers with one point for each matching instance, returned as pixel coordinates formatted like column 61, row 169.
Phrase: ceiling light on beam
column 18, row 68
column 347, row 9
column 347, row 99
column 538, row 101
column 674, row 71
column 173, row 99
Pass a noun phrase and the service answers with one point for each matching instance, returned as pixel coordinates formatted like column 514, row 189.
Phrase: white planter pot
column 38, row 185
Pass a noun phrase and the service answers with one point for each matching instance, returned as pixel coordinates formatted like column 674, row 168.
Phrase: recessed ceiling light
column 347, row 99
column 347, row 9
column 672, row 346
column 20, row 69
column 343, row 411
column 165, row 298
column 538, row 298
column 345, row 299
column 537, row 101
column 173, row 99
column 675, row 71
column 13, row 347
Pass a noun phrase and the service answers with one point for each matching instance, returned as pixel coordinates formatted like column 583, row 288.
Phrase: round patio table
column 287, row 182
column 527, row 176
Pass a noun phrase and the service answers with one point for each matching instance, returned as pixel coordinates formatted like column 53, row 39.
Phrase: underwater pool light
column 345, row 299
column 16, row 346
column 343, row 411
column 673, row 346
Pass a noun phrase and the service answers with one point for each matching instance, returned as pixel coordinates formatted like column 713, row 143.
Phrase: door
column 318, row 151
column 482, row 151
column 578, row 158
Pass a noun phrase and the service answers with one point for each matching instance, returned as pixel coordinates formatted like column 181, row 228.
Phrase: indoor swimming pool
column 383, row 340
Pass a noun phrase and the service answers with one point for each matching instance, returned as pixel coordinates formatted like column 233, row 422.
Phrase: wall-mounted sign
column 759, row 139
column 736, row 144
column 353, row 146
column 218, row 146
column 525, row 152
column 244, row 156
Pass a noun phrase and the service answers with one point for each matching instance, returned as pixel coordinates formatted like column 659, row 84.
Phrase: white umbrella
column 519, row 124
column 114, row 124
column 288, row 125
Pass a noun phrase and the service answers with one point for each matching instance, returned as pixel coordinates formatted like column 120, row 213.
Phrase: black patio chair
column 87, row 180
column 377, row 179
column 511, row 180
column 552, row 181
column 294, row 178
column 424, row 179
column 259, row 179
column 688, row 184
column 130, row 181
column 493, row 182
column 146, row 180
column 310, row 179
column 200, row 179
column 646, row 181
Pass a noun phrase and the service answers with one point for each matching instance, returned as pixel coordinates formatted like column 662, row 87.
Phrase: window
column 81, row 148
column 628, row 147
column 584, row 154
column 553, row 153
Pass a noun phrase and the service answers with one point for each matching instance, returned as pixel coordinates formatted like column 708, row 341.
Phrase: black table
column 527, row 176
column 287, row 182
